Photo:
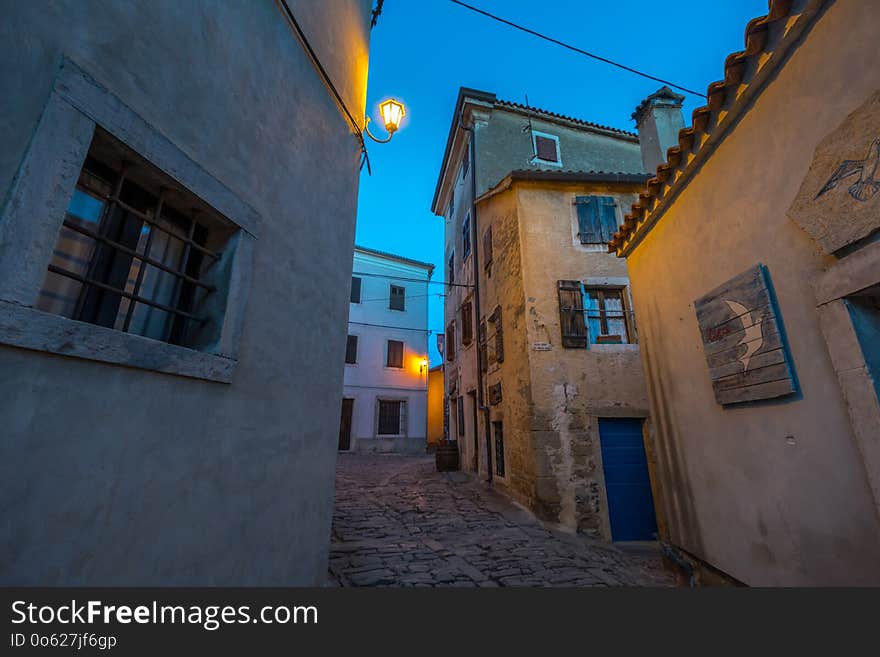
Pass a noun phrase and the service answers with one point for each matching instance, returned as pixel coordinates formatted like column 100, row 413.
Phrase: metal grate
column 125, row 257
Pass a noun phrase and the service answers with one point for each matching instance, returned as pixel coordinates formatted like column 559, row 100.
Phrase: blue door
column 630, row 503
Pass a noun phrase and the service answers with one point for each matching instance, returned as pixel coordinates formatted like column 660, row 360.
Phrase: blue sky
column 422, row 51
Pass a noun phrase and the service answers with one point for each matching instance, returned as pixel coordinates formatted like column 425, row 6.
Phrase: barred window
column 607, row 316
column 391, row 418
column 133, row 251
column 499, row 448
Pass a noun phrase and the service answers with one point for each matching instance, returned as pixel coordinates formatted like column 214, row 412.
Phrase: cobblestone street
column 399, row 522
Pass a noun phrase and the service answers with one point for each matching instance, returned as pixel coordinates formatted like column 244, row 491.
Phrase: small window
column 467, row 323
column 392, row 418
column 395, row 354
column 397, row 300
column 487, row 248
column 607, row 315
column 597, row 218
column 355, row 289
column 546, row 148
column 450, row 274
column 498, row 335
column 450, row 341
column 466, row 237
column 452, row 205
column 351, row 350
column 499, row 448
column 134, row 251
column 482, row 347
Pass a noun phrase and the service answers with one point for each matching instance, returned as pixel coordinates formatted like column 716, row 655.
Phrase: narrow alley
column 399, row 522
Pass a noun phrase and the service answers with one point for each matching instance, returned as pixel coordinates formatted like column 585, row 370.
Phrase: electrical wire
column 412, row 280
column 576, row 49
column 396, row 328
column 408, row 296
column 328, row 82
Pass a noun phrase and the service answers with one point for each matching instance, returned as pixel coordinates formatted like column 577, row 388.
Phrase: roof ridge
column 573, row 119
column 388, row 254
column 721, row 95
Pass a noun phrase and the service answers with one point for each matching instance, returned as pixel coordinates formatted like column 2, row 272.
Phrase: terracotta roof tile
column 740, row 69
column 538, row 110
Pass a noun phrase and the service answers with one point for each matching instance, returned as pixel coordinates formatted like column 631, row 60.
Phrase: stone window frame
column 848, row 276
column 35, row 207
column 535, row 159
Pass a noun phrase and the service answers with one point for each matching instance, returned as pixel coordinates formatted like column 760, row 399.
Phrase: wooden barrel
column 446, row 456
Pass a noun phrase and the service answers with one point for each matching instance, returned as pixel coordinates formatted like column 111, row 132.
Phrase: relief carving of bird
column 867, row 170
column 753, row 338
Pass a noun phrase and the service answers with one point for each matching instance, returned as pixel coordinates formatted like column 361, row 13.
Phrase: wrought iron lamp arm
column 372, row 136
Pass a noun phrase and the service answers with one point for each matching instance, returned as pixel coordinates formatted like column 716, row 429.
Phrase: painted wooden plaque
column 743, row 341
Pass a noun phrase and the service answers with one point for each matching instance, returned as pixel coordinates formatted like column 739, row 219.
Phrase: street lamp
column 392, row 112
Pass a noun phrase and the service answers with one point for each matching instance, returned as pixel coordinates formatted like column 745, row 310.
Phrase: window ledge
column 33, row 329
column 625, row 346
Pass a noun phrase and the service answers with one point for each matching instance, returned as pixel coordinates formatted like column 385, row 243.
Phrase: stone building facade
column 755, row 265
column 537, row 312
column 168, row 309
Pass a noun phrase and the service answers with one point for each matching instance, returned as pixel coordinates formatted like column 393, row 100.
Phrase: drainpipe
column 472, row 154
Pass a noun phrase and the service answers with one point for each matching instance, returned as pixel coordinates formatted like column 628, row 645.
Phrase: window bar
column 178, row 285
column 127, row 295
column 102, row 233
column 140, row 275
column 149, row 220
column 128, row 251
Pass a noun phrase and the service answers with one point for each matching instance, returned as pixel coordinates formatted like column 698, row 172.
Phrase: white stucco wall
column 375, row 323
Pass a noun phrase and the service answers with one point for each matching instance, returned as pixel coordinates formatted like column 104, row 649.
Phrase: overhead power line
column 404, row 278
column 576, row 49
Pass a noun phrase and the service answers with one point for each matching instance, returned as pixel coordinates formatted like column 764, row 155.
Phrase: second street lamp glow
column 392, row 114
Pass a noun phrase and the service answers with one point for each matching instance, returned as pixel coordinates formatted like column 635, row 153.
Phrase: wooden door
column 345, row 425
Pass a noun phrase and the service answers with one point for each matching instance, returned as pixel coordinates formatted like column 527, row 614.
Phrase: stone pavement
column 399, row 522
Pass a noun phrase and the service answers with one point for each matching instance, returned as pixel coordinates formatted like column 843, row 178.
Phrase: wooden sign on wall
column 743, row 342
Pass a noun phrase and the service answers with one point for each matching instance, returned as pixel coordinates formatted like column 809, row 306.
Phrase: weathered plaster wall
column 502, row 285
column 571, row 388
column 771, row 493
column 504, row 147
column 115, row 476
column 436, row 402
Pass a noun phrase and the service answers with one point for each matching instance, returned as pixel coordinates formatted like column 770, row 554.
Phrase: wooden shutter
column 487, row 247
column 545, row 149
column 589, row 224
column 499, row 335
column 607, row 217
column 351, row 350
column 571, row 315
column 467, row 322
column 466, row 237
column 450, row 341
column 395, row 353
column 355, row 289
column 460, row 406
column 397, row 300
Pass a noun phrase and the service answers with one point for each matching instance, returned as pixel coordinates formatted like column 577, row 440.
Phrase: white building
column 384, row 406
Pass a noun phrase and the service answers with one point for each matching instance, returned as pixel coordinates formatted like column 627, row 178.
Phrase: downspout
column 472, row 154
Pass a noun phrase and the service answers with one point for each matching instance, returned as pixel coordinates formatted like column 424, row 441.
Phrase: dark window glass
column 390, row 416
column 355, row 289
column 395, row 354
column 466, row 237
column 133, row 249
column 397, row 299
column 351, row 350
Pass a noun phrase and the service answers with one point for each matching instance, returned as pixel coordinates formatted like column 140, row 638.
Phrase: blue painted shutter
column 589, row 227
column 607, row 217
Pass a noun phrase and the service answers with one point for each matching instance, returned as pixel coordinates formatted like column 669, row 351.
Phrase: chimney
column 658, row 120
